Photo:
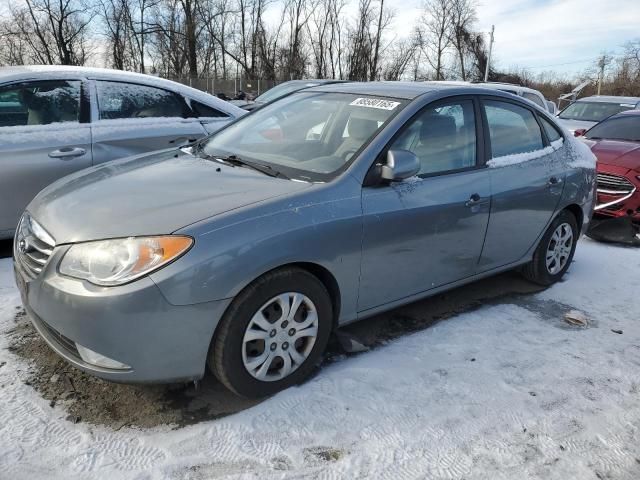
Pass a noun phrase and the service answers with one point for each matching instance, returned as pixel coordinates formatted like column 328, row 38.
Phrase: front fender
column 322, row 226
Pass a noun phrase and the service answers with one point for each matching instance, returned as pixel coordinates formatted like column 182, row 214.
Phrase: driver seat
column 359, row 130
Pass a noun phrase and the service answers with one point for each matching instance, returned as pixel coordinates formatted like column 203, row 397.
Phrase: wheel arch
column 322, row 273
column 577, row 212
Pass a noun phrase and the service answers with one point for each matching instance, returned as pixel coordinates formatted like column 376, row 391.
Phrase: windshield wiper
column 237, row 161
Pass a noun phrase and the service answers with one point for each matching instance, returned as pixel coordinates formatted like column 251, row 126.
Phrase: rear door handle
column 554, row 181
column 67, row 153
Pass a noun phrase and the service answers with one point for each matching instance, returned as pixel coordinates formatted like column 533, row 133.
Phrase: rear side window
column 128, row 100
column 552, row 132
column 202, row 110
column 512, row 129
column 40, row 103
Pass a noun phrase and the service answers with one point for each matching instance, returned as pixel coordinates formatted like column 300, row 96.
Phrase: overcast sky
column 561, row 35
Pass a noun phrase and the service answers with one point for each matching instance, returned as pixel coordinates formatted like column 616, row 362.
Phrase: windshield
column 309, row 135
column 593, row 111
column 281, row 90
column 618, row 128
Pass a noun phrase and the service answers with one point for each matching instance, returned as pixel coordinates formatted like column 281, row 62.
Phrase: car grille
column 614, row 184
column 32, row 246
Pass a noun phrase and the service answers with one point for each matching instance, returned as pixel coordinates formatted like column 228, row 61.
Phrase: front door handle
column 474, row 199
column 67, row 153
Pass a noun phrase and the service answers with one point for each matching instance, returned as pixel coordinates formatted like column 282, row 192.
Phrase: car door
column 44, row 135
column 527, row 179
column 428, row 230
column 134, row 118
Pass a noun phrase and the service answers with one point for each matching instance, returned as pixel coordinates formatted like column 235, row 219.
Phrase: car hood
column 573, row 125
column 615, row 152
column 149, row 195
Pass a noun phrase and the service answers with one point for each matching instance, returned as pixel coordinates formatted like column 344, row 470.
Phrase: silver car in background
column 58, row 120
column 588, row 111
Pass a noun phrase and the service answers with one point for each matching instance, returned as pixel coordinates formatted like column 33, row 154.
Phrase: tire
column 255, row 322
column 538, row 270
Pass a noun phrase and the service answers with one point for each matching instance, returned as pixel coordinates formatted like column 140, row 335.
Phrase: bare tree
column 463, row 17
column 435, row 33
column 54, row 31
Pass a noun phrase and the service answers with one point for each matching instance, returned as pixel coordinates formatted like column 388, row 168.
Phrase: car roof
column 610, row 99
column 44, row 72
column 403, row 90
column 411, row 90
column 318, row 81
column 626, row 113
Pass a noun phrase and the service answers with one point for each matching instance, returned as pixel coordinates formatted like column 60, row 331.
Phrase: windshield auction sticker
column 375, row 103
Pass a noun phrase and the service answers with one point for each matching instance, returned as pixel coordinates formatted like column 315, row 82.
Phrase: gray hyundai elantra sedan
column 244, row 251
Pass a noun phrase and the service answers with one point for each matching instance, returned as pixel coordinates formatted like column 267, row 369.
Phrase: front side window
column 128, row 100
column 512, row 129
column 593, row 111
column 442, row 137
column 40, row 103
column 307, row 135
column 625, row 127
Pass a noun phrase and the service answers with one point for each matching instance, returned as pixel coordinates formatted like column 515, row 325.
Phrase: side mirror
column 401, row 164
column 579, row 132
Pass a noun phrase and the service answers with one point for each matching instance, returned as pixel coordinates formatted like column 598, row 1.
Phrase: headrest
column 361, row 128
column 437, row 126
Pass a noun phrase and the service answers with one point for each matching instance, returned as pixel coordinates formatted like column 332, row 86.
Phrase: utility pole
column 486, row 70
column 602, row 63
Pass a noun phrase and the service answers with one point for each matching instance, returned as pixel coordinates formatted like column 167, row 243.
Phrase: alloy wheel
column 280, row 336
column 559, row 248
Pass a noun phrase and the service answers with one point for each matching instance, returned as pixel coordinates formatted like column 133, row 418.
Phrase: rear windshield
column 593, row 111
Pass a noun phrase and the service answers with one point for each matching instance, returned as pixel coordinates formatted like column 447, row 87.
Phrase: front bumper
column 625, row 203
column 133, row 324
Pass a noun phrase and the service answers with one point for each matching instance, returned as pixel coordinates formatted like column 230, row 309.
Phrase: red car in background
column 616, row 143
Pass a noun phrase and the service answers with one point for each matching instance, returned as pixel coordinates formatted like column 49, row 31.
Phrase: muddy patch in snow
column 91, row 400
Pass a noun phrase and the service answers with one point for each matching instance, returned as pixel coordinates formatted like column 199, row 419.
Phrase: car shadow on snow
column 92, row 400
column 6, row 248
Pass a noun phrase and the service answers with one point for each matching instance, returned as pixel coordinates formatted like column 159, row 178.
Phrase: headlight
column 114, row 262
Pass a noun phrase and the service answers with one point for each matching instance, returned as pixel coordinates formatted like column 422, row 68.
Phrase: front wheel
column 273, row 334
column 555, row 252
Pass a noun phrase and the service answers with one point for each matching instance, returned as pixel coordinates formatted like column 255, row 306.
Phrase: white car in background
column 525, row 92
column 588, row 111
column 57, row 120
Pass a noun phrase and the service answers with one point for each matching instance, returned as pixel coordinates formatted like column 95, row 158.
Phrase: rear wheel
column 555, row 252
column 273, row 334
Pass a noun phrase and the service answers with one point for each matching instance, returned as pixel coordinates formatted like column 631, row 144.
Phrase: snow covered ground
column 508, row 391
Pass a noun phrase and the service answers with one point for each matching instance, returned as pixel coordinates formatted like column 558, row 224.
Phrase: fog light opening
column 99, row 360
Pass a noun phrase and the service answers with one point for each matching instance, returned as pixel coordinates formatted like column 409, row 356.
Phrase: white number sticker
column 375, row 103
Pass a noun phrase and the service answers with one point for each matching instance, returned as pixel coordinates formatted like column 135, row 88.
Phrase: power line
column 590, row 59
